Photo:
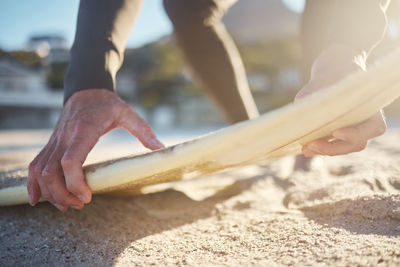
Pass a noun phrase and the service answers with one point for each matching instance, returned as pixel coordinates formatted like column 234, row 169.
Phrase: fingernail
column 30, row 200
column 84, row 198
column 338, row 135
column 314, row 149
column 76, row 207
column 308, row 153
column 60, row 207
column 156, row 142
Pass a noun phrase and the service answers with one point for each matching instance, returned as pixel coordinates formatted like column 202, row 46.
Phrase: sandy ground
column 345, row 211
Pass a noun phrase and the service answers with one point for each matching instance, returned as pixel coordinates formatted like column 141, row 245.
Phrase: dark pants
column 212, row 55
column 215, row 60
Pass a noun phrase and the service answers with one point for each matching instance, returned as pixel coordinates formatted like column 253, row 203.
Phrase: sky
column 295, row 5
column 20, row 19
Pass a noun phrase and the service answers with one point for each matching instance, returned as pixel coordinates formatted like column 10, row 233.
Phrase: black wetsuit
column 104, row 25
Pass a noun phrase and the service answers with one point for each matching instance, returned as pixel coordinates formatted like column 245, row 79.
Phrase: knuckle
column 67, row 162
column 47, row 174
column 361, row 146
column 381, row 129
column 73, row 187
column 36, row 170
column 31, row 166
column 33, row 170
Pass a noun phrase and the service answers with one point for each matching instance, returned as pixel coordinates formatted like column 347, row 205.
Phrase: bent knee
column 191, row 13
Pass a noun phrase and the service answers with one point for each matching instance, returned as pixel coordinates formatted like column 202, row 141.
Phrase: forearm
column 358, row 24
column 102, row 31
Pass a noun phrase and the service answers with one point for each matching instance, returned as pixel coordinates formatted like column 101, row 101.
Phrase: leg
column 212, row 55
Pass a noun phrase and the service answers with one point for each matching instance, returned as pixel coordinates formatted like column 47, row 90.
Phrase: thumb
column 307, row 89
column 139, row 128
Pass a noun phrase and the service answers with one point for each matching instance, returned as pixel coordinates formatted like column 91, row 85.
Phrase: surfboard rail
column 276, row 134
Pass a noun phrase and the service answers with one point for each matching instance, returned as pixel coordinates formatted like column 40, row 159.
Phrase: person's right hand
column 56, row 173
column 333, row 64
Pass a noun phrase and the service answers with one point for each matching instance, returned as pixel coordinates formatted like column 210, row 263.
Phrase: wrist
column 334, row 62
column 89, row 93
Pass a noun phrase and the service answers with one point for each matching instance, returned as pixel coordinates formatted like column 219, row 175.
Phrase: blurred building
column 151, row 80
column 25, row 99
column 17, row 77
column 43, row 44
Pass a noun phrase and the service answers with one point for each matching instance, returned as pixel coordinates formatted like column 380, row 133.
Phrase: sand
column 344, row 211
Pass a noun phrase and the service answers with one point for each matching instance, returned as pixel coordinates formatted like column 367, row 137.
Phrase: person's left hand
column 333, row 64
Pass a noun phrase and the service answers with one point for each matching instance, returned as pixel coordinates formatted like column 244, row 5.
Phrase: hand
column 56, row 173
column 334, row 64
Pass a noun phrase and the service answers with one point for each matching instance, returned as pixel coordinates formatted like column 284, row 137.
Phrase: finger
column 34, row 176
column 349, row 139
column 307, row 89
column 42, row 178
column 74, row 157
column 47, row 182
column 44, row 191
column 33, row 185
column 55, row 183
column 139, row 128
column 373, row 127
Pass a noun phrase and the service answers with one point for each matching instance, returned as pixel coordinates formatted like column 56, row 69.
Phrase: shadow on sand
column 377, row 215
column 103, row 230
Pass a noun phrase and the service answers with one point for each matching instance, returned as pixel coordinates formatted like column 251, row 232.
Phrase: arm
column 103, row 28
column 56, row 172
column 334, row 33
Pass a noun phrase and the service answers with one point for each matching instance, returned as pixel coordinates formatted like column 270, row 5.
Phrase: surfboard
column 273, row 135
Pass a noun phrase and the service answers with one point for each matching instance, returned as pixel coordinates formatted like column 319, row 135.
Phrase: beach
column 345, row 211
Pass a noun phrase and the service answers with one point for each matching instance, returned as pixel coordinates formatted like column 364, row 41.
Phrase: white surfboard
column 276, row 134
